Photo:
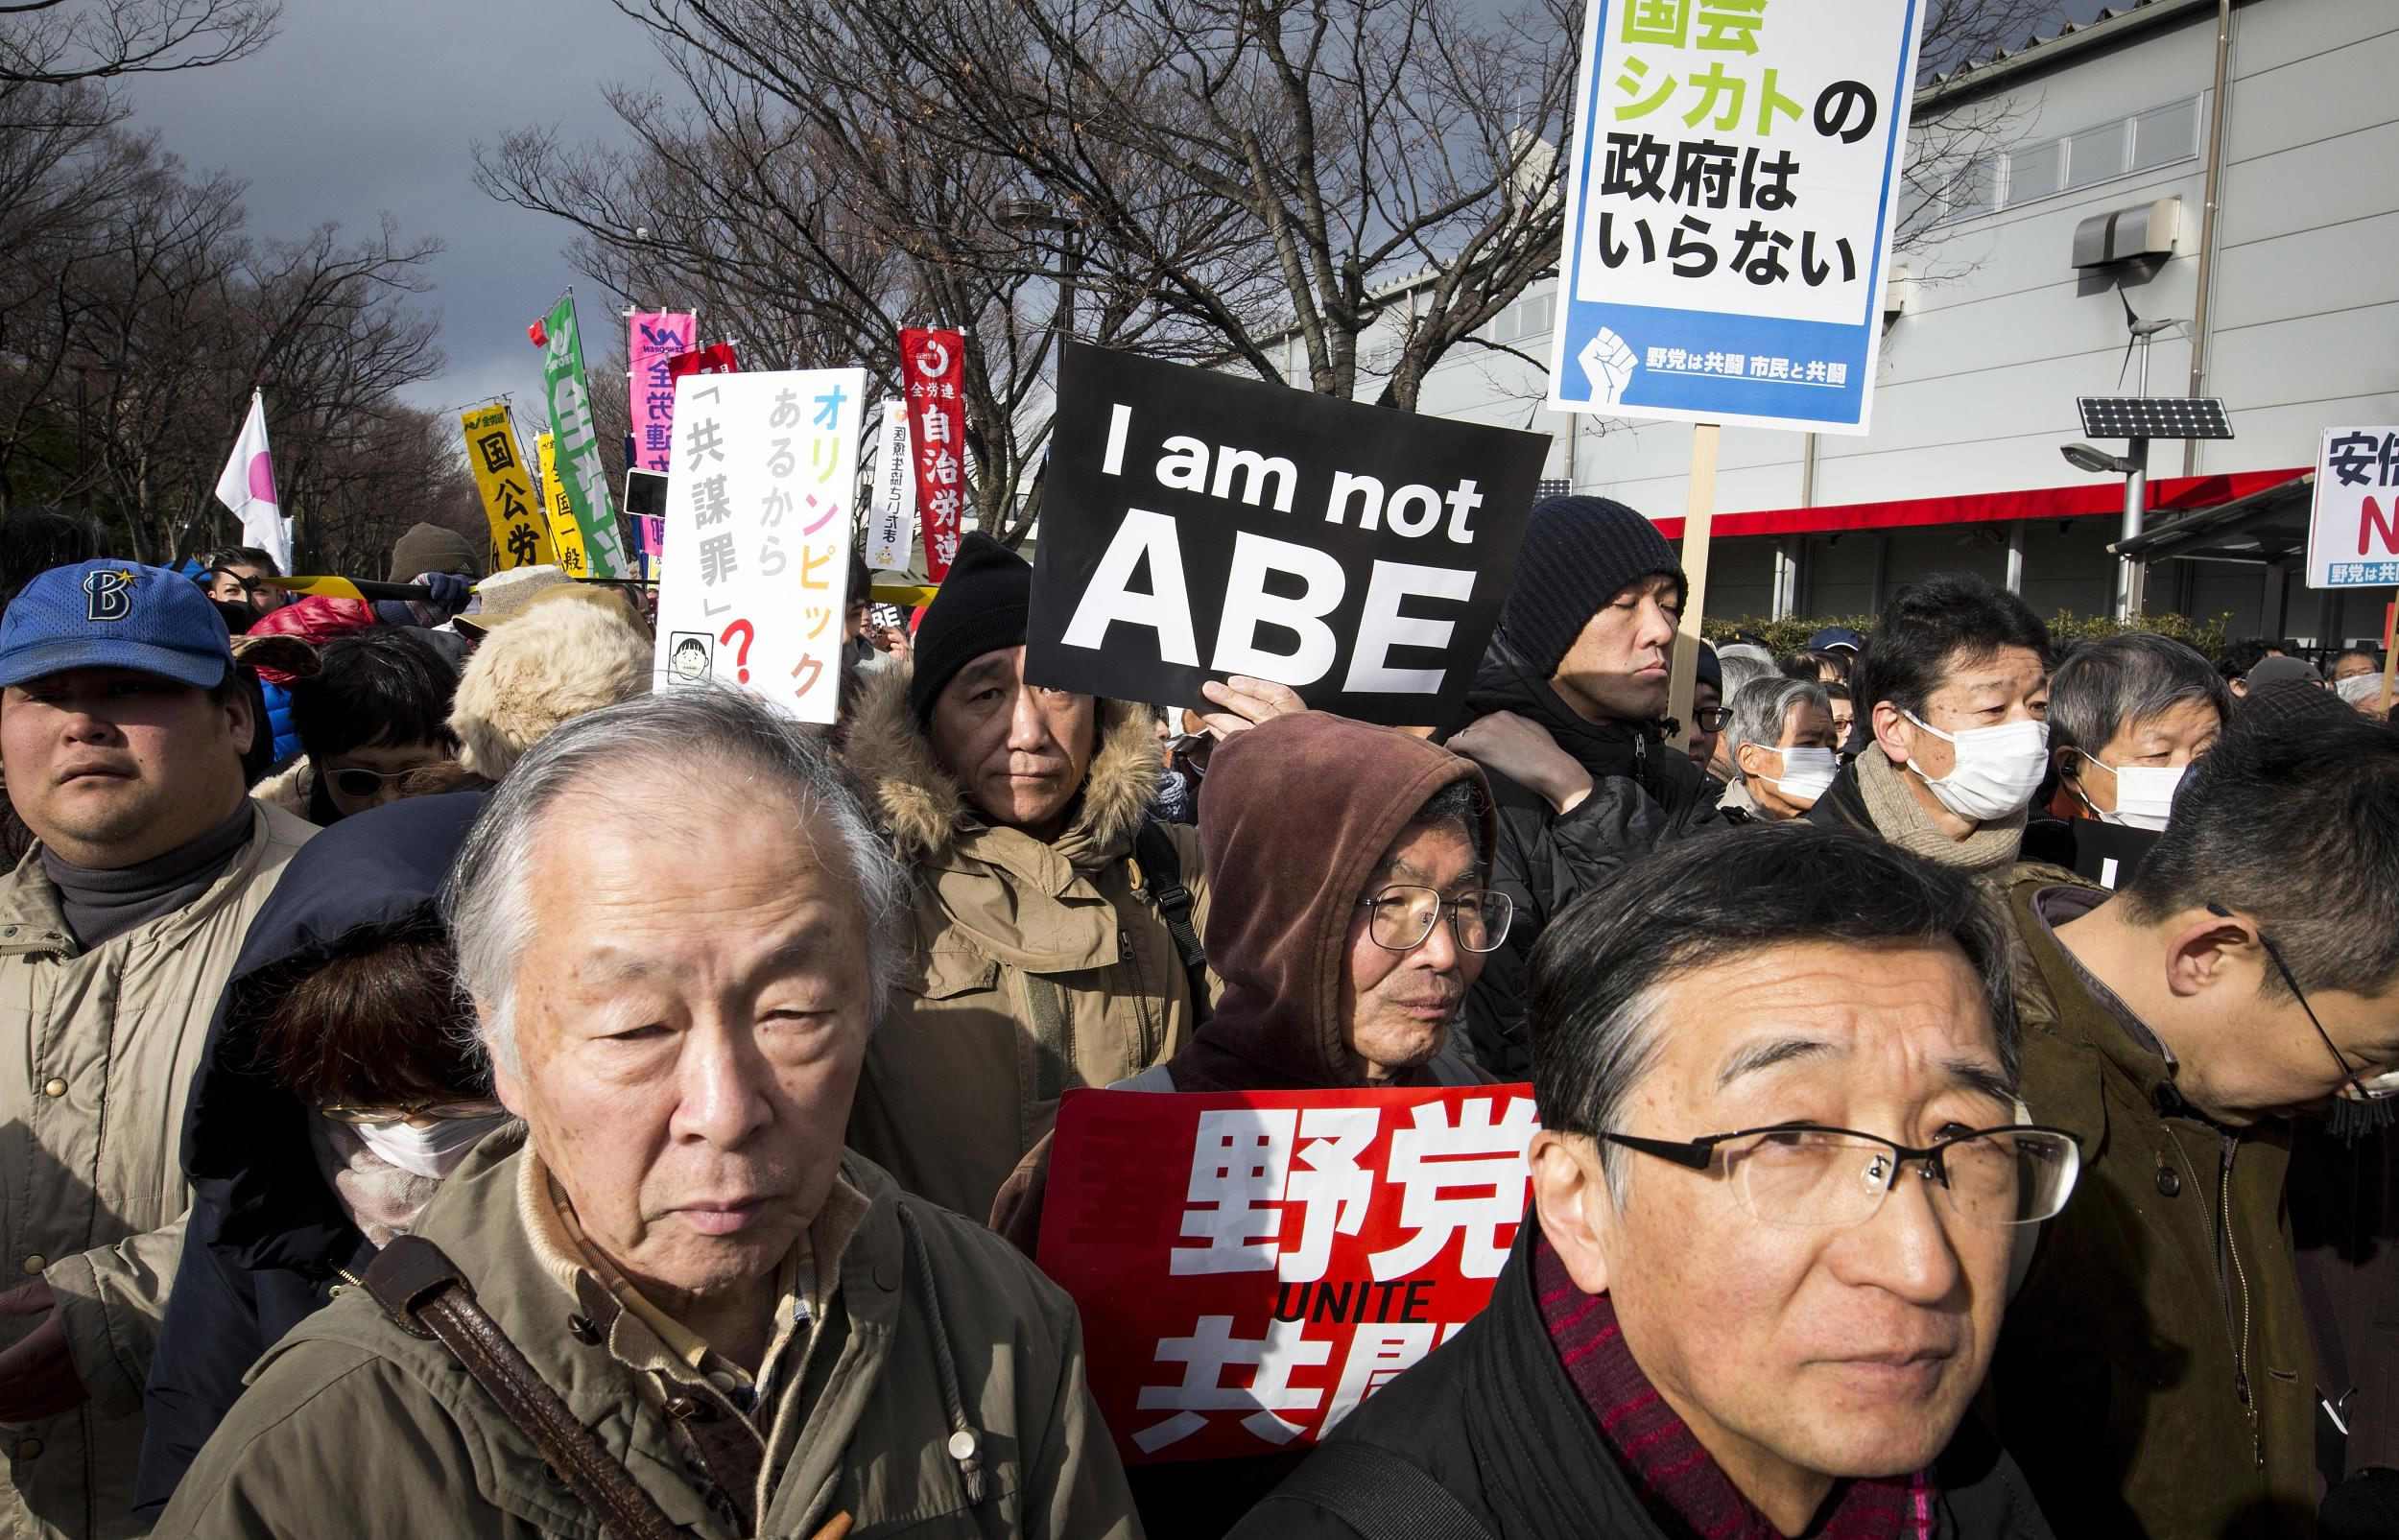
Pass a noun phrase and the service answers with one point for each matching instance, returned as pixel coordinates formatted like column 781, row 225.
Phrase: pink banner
column 655, row 337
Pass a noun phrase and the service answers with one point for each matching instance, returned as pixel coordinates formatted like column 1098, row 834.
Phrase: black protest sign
column 1195, row 526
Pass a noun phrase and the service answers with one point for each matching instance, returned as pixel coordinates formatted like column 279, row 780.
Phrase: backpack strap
column 1380, row 1495
column 1162, row 884
column 425, row 1295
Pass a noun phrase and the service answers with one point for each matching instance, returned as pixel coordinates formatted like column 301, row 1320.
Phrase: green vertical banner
column 579, row 471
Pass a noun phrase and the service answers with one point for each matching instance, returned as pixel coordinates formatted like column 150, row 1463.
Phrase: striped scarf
column 1686, row 1492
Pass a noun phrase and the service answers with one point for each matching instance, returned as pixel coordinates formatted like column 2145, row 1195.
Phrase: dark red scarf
column 1684, row 1488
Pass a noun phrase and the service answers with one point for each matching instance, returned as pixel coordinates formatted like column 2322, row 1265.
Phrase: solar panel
column 2154, row 416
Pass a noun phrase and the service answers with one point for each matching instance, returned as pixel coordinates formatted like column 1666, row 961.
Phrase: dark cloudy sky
column 367, row 107
column 361, row 107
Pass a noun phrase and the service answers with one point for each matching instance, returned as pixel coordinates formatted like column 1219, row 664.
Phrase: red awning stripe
column 2173, row 494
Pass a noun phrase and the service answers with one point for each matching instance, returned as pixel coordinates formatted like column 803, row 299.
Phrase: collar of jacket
column 2053, row 1004
column 1024, row 902
column 931, row 824
column 476, row 1219
column 30, row 919
column 1505, row 682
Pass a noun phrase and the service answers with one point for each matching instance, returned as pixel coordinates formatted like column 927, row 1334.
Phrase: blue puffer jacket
column 287, row 743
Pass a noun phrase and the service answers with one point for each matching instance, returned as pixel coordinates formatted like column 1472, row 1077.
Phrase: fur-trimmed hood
column 924, row 810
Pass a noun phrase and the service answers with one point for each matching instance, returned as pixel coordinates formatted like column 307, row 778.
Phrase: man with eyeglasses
column 2159, row 1376
column 1781, row 1170
column 121, row 730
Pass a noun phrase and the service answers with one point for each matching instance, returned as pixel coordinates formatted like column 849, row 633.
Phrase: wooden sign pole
column 2390, row 652
column 1698, row 516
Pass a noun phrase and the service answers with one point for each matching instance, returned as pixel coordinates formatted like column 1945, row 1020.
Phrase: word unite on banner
column 1250, row 1268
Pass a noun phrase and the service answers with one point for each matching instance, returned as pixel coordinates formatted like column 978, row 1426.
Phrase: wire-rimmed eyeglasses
column 1403, row 914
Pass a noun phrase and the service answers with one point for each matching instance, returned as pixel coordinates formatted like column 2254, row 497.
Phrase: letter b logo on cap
column 107, row 595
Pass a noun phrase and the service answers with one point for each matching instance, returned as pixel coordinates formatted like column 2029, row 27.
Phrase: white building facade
column 2289, row 305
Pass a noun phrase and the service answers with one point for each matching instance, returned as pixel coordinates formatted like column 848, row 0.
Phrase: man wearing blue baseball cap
column 122, row 729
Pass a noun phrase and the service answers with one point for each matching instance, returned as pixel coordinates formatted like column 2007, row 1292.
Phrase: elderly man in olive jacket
column 677, row 925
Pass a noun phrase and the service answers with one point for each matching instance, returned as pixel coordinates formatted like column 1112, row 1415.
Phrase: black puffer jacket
column 1490, row 1415
column 267, row 1239
column 1644, row 792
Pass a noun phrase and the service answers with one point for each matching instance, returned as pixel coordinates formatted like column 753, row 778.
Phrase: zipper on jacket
column 1150, row 1035
column 2239, row 1277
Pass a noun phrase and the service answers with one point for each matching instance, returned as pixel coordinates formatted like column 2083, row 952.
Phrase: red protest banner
column 716, row 358
column 932, row 367
column 1250, row 1267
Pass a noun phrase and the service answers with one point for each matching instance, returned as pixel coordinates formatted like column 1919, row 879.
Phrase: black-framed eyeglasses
column 2363, row 1106
column 1711, row 719
column 1807, row 1175
column 1403, row 914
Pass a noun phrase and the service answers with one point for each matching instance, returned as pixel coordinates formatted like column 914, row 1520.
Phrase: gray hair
column 1762, row 707
column 1459, row 805
column 2107, row 685
column 1740, row 663
column 485, row 904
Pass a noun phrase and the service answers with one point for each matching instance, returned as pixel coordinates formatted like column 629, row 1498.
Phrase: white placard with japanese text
column 2353, row 529
column 1731, row 188
column 758, row 513
column 892, row 522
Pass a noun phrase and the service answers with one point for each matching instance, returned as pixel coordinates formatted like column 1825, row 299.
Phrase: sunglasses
column 360, row 784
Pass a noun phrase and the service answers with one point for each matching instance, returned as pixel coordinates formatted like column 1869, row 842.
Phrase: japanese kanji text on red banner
column 933, row 372
column 1250, row 1267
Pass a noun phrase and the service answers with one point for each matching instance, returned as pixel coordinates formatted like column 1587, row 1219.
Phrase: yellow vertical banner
column 565, row 533
column 520, row 535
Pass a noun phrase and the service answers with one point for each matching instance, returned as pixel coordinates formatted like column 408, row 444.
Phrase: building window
column 2164, row 134
column 1526, row 320
column 2024, row 173
column 2035, row 172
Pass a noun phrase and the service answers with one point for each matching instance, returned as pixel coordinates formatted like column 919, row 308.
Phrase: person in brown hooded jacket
column 1041, row 959
column 1348, row 919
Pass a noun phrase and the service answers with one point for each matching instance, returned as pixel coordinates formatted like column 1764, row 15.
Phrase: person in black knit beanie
column 1565, row 722
column 981, row 607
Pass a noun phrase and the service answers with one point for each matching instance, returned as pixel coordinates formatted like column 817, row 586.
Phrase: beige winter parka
column 929, row 1328
column 1035, row 967
column 99, row 1048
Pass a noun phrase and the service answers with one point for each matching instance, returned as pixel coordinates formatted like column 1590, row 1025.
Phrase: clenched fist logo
column 1608, row 361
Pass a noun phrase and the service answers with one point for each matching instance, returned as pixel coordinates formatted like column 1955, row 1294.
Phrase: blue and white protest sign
column 1731, row 189
column 2352, row 524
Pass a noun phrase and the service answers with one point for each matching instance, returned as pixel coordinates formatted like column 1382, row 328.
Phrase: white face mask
column 433, row 1150
column 2145, row 794
column 1998, row 768
column 1807, row 774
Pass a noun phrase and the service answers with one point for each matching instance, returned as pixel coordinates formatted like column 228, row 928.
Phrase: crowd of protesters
column 454, row 1086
